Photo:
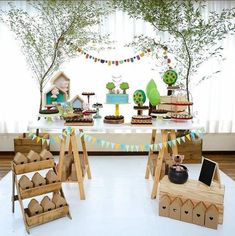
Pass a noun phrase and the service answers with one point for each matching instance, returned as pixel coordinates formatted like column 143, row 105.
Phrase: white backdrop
column 19, row 97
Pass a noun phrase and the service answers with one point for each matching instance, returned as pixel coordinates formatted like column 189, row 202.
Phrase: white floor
column 118, row 203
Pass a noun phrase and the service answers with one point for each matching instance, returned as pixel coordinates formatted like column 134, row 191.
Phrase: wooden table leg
column 85, row 155
column 159, row 164
column 78, row 166
column 13, row 191
column 61, row 158
column 173, row 137
column 151, row 154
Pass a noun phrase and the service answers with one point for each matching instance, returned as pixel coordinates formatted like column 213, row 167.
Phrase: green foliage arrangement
column 192, row 38
column 110, row 86
column 139, row 97
column 153, row 93
column 124, row 86
column 52, row 32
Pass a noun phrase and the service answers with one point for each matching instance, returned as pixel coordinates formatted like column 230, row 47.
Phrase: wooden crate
column 24, row 144
column 32, row 166
column 191, row 149
column 196, row 192
column 46, row 216
column 32, row 192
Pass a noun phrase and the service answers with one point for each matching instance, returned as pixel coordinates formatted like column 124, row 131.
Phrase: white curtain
column 19, row 96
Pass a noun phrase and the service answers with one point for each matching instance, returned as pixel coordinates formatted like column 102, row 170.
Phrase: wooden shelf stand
column 20, row 195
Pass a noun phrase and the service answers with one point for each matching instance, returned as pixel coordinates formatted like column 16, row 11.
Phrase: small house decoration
column 62, row 81
column 33, row 156
column 58, row 200
column 187, row 211
column 51, row 177
column 199, row 214
column 175, row 209
column 34, row 208
column 46, row 155
column 55, row 95
column 77, row 102
column 212, row 217
column 38, row 180
column 25, row 182
column 47, row 204
column 164, row 206
column 20, row 159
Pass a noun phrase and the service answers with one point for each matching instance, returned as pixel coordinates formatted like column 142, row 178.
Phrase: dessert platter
column 141, row 120
column 116, row 98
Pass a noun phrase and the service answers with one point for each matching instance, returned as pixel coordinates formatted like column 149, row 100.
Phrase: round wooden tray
column 110, row 121
column 181, row 119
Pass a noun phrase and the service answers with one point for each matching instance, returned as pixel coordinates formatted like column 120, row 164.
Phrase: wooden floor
column 226, row 163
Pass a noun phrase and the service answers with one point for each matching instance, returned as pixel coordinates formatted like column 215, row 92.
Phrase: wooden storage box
column 196, row 192
column 46, row 216
column 25, row 144
column 33, row 166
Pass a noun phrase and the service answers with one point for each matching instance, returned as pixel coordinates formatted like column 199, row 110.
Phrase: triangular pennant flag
column 151, row 146
column 178, row 140
column 117, row 146
column 183, row 139
column 132, row 148
column 61, row 137
column 169, row 143
column 173, row 142
column 94, row 140
column 127, row 148
column 137, row 148
column 107, row 144
column 155, row 147
column 123, row 146
column 98, row 141
column 34, row 136
column 193, row 135
column 38, row 139
column 188, row 137
column 146, row 146
column 52, row 140
column 160, row 145
column 30, row 134
column 142, row 147
column 165, row 144
column 102, row 143
column 112, row 145
column 48, row 141
column 81, row 134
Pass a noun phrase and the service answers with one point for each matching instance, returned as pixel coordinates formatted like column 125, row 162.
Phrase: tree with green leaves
column 192, row 39
column 110, row 86
column 124, row 86
column 53, row 31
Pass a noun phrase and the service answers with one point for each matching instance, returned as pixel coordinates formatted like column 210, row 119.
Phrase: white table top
column 99, row 125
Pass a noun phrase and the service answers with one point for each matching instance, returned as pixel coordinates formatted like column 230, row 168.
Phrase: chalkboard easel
column 209, row 172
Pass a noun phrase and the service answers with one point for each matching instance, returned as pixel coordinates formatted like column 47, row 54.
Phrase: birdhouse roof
column 176, row 202
column 188, row 203
column 58, row 75
column 77, row 97
column 200, row 205
column 165, row 198
column 54, row 86
column 212, row 208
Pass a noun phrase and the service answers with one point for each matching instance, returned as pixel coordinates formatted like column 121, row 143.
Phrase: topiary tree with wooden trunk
column 52, row 32
column 192, row 39
column 110, row 86
column 124, row 86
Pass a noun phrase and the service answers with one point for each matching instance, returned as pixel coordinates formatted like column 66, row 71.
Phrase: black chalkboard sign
column 207, row 171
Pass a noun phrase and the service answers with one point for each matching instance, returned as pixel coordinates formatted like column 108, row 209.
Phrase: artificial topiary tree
column 110, row 86
column 52, row 32
column 139, row 97
column 124, row 86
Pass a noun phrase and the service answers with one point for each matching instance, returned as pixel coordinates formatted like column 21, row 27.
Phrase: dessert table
column 167, row 129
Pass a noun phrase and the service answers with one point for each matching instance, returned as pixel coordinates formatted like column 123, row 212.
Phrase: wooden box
column 24, row 144
column 191, row 149
column 196, row 192
column 46, row 216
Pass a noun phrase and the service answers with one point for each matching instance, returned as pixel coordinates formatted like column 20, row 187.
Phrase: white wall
column 211, row 142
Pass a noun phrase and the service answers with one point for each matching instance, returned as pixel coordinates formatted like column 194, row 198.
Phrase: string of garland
column 118, row 146
column 114, row 62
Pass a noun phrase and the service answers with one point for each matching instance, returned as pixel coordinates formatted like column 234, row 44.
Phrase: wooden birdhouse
column 199, row 214
column 20, row 159
column 46, row 155
column 77, row 102
column 73, row 175
column 55, row 95
column 34, row 208
column 58, row 200
column 25, row 182
column 51, row 177
column 38, row 180
column 164, row 206
column 175, row 209
column 33, row 156
column 47, row 204
column 212, row 217
column 62, row 81
column 187, row 211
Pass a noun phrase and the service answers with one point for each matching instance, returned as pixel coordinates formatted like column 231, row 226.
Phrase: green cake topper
column 139, row 97
column 170, row 77
column 152, row 93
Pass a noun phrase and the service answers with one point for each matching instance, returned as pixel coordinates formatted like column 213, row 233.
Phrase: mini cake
column 114, row 96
